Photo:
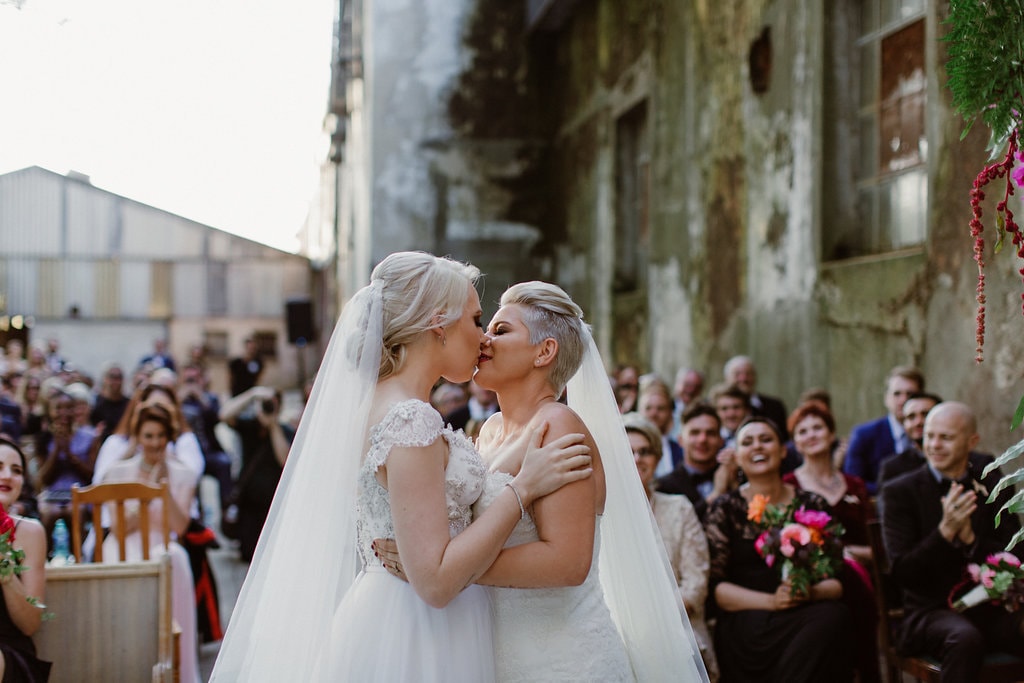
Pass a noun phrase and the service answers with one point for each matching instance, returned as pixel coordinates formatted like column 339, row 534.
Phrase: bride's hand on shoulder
column 549, row 467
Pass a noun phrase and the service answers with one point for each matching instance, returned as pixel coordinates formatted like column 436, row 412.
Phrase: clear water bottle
column 61, row 551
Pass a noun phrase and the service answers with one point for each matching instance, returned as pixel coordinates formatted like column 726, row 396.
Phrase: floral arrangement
column 11, row 558
column 999, row 580
column 804, row 544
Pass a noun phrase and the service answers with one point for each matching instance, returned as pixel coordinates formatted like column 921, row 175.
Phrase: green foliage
column 986, row 65
column 1011, row 454
column 1018, row 416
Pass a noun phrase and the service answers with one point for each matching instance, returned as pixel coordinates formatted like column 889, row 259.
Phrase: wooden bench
column 111, row 622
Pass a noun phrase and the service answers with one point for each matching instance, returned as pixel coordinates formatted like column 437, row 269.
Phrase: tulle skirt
column 383, row 632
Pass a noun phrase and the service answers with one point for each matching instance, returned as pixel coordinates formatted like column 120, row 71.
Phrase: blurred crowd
column 150, row 419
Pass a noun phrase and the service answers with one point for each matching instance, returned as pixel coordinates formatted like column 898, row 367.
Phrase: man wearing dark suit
column 935, row 522
column 915, row 410
column 740, row 370
column 874, row 441
column 707, row 470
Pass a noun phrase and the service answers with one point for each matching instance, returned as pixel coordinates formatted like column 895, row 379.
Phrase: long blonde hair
column 419, row 291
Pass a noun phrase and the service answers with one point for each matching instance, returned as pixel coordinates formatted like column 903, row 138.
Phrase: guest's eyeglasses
column 642, row 452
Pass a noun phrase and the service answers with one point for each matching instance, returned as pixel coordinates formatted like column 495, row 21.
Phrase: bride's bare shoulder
column 561, row 419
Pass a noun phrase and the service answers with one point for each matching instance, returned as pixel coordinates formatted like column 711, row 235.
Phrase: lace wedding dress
column 382, row 630
column 553, row 634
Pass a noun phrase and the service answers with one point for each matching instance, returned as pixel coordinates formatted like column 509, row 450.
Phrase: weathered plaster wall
column 455, row 138
column 413, row 58
column 738, row 210
column 498, row 146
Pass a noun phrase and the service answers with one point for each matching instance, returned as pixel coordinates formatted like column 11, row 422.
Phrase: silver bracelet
column 522, row 510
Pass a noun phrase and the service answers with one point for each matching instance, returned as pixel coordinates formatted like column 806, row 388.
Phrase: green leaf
column 1018, row 416
column 1007, row 481
column 1017, row 538
column 1010, row 454
column 1015, row 504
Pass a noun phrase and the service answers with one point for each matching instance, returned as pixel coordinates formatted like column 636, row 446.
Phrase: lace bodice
column 414, row 423
column 553, row 634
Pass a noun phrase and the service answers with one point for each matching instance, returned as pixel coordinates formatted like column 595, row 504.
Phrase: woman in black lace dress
column 764, row 631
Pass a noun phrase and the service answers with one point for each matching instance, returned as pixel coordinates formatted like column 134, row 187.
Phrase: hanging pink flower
column 1018, row 171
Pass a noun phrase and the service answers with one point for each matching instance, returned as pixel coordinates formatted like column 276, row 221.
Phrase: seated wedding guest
column 626, row 383
column 765, row 631
column 871, row 443
column 654, row 402
column 64, row 456
column 687, row 391
column 470, row 417
column 33, row 411
column 915, row 411
column 448, row 397
column 265, row 444
column 110, row 401
column 935, row 522
column 21, row 617
column 708, row 469
column 153, row 430
column 823, row 396
column 814, row 433
column 120, row 444
column 10, row 409
column 733, row 407
column 740, row 371
column 681, row 531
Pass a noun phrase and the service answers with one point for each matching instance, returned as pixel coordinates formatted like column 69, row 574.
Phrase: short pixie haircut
column 550, row 313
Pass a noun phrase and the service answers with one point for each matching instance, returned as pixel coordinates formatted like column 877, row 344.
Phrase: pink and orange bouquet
column 1000, row 580
column 803, row 544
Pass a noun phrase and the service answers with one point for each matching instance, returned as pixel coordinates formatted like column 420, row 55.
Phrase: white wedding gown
column 382, row 630
column 553, row 634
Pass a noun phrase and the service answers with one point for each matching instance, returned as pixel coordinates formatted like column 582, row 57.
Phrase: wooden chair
column 998, row 668
column 117, row 493
column 112, row 622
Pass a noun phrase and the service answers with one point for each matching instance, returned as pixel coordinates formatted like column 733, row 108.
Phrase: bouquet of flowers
column 804, row 544
column 999, row 580
column 11, row 558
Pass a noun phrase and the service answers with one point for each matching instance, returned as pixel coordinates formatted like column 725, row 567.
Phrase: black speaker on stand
column 299, row 314
column 301, row 331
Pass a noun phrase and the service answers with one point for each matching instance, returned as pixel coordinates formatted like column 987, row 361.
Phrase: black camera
column 268, row 405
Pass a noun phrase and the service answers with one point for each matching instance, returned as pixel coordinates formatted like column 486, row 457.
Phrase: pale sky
column 209, row 109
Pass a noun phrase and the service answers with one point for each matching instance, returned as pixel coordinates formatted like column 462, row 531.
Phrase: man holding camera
column 265, row 442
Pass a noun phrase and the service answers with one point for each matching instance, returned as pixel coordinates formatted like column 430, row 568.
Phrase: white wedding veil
column 306, row 556
column 638, row 580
